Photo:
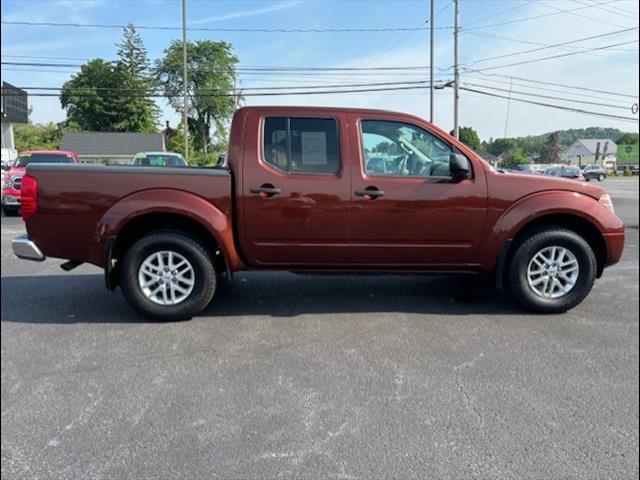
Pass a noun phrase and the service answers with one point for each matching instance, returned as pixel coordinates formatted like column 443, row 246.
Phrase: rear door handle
column 370, row 193
column 265, row 190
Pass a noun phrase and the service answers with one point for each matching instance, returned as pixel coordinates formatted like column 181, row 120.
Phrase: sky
column 490, row 28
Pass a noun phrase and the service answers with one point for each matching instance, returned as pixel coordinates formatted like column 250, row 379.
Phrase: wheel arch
column 571, row 221
column 165, row 209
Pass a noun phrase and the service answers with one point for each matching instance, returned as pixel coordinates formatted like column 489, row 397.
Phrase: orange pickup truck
column 321, row 190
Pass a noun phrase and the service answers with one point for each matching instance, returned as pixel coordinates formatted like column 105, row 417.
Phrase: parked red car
column 321, row 190
column 12, row 180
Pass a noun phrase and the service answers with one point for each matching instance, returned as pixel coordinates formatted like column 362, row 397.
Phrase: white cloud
column 246, row 13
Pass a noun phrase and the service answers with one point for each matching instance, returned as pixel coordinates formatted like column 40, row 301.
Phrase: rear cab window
column 301, row 145
column 26, row 159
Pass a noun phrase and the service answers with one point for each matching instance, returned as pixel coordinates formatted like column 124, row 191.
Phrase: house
column 593, row 150
column 111, row 147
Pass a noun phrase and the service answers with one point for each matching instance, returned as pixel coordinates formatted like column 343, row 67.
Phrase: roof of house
column 591, row 144
column 111, row 143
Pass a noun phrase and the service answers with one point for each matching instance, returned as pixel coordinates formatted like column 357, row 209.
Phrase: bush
column 628, row 172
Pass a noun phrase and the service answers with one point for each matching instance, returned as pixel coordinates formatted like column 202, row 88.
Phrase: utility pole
column 506, row 121
column 431, row 53
column 185, row 113
column 456, row 80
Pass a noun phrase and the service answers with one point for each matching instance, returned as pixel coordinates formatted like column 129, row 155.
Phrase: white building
column 593, row 150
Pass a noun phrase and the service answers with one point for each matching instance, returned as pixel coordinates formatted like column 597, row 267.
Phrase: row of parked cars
column 583, row 173
column 13, row 173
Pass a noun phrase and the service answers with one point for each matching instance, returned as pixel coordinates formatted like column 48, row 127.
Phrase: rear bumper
column 26, row 249
column 11, row 196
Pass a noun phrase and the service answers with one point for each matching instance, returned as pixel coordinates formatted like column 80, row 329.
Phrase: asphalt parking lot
column 319, row 377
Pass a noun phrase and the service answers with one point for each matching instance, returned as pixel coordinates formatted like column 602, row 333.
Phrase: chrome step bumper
column 26, row 249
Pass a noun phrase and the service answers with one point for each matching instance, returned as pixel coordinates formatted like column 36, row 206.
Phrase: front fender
column 538, row 205
column 214, row 220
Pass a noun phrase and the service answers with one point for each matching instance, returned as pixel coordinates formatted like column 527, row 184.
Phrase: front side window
column 397, row 149
column 301, row 145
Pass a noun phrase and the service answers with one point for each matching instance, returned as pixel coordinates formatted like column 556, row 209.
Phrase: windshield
column 24, row 160
column 571, row 171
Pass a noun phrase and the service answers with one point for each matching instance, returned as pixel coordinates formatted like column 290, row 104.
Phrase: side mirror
column 459, row 167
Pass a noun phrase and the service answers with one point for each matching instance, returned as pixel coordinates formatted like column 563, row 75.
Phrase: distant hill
column 567, row 137
column 533, row 143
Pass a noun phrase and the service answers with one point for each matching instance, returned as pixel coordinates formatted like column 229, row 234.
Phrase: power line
column 575, row 87
column 529, row 42
column 572, row 12
column 551, row 97
column 543, row 89
column 294, row 87
column 534, row 17
column 227, row 30
column 559, row 55
column 265, row 94
column 558, row 107
column 604, row 9
column 263, row 68
column 583, row 39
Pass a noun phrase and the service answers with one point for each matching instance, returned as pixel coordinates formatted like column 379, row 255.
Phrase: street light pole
column 431, row 53
column 456, row 81
column 185, row 114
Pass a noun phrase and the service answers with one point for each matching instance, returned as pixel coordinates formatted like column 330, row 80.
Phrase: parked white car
column 159, row 159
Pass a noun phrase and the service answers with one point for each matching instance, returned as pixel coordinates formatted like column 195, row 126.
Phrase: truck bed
column 73, row 200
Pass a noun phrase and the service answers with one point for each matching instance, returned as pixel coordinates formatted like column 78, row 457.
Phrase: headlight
column 605, row 200
column 6, row 181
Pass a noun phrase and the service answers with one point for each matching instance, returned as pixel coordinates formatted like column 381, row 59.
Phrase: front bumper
column 26, row 249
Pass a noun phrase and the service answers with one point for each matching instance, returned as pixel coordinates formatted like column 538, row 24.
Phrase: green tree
column 132, row 53
column 210, row 84
column 94, row 100
column 469, row 137
column 29, row 136
column 514, row 156
column 627, row 139
column 137, row 83
column 552, row 150
column 501, row 145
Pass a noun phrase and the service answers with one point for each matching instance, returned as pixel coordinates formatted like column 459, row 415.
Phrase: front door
column 295, row 191
column 406, row 210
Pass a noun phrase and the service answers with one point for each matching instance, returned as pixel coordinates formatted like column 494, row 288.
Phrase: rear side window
column 301, row 145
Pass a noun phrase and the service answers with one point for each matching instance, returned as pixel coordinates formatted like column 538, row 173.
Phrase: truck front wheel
column 167, row 276
column 552, row 271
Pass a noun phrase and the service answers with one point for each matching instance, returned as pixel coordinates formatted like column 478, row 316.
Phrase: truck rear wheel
column 168, row 276
column 552, row 271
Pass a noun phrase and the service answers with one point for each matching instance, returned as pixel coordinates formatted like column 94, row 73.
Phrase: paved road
column 307, row 377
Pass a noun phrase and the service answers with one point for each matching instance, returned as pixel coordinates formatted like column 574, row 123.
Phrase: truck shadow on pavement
column 69, row 299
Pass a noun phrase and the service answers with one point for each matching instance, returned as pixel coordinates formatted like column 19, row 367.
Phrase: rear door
column 406, row 209
column 295, row 189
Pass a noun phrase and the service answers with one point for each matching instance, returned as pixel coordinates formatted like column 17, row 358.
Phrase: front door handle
column 265, row 190
column 370, row 193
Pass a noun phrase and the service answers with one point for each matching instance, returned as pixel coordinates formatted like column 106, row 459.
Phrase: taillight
column 28, row 197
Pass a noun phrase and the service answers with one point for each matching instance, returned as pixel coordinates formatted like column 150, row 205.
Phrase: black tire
column 601, row 177
column 203, row 271
column 10, row 211
column 525, row 251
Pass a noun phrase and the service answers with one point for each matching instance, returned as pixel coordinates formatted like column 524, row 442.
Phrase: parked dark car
column 524, row 169
column 594, row 172
column 573, row 173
